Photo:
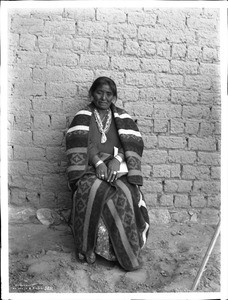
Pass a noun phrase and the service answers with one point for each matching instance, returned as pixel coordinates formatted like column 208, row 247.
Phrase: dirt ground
column 42, row 260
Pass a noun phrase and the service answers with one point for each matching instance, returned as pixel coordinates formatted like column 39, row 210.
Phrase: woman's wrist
column 119, row 158
column 95, row 159
column 99, row 162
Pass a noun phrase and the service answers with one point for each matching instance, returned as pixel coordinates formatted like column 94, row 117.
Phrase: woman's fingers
column 102, row 176
column 114, row 175
column 113, row 167
column 101, row 172
column 111, row 176
column 104, row 173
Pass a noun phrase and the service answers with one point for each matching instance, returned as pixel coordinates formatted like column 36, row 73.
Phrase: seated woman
column 109, row 215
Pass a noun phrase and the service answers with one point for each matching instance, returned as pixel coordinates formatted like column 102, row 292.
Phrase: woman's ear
column 114, row 100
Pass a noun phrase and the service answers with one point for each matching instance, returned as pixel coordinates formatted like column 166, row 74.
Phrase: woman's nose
column 104, row 96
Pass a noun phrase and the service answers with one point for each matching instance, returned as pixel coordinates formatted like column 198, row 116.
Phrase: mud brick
column 165, row 63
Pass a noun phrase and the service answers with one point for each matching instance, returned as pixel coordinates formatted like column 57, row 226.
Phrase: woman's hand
column 113, row 167
column 101, row 171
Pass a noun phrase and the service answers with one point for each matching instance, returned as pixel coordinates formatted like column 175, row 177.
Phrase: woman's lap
column 118, row 206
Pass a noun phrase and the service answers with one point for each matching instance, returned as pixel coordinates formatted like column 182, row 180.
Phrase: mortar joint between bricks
column 32, row 121
column 182, row 109
column 14, row 120
column 186, row 21
column 157, row 20
column 187, row 142
column 106, row 45
column 95, row 10
column 169, row 126
column 185, row 56
column 37, row 44
column 163, row 185
column 199, row 128
column 124, row 44
column 159, row 195
column 127, row 18
column 171, row 51
column 64, row 13
column 217, row 145
column 32, row 68
column 198, row 68
column 45, row 89
column 192, row 185
column 210, row 170
column 31, row 102
column 181, row 170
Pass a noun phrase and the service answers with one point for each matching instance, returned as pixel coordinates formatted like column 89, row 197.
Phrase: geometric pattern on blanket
column 118, row 204
column 77, row 143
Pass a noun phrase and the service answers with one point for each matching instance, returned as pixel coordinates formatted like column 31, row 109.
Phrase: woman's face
column 103, row 97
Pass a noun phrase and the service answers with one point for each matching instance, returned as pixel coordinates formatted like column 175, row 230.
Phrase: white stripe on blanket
column 77, row 150
column 142, row 203
column 122, row 116
column 144, row 234
column 84, row 112
column 78, row 127
column 75, row 168
column 129, row 132
column 132, row 153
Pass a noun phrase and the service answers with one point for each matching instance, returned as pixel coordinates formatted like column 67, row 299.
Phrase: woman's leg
column 88, row 203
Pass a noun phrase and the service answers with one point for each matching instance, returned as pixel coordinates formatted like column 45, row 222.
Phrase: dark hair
column 101, row 81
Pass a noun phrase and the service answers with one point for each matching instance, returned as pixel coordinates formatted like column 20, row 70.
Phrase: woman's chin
column 103, row 106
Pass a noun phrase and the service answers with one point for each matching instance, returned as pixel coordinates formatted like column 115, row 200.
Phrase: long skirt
column 118, row 208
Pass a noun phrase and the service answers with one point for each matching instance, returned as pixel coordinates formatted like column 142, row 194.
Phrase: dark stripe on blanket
column 132, row 143
column 95, row 204
column 132, row 259
column 126, row 123
column 125, row 256
column 135, row 197
column 80, row 120
column 77, row 138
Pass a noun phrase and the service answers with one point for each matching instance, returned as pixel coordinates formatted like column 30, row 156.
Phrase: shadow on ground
column 42, row 259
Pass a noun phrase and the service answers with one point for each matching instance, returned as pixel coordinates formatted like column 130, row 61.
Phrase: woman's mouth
column 104, row 103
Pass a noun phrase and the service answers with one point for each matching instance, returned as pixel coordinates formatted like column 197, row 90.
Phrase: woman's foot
column 81, row 256
column 90, row 257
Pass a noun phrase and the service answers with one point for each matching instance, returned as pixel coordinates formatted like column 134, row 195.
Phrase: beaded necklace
column 103, row 129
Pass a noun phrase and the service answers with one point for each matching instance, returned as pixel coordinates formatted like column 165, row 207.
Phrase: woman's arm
column 120, row 155
column 94, row 160
column 93, row 153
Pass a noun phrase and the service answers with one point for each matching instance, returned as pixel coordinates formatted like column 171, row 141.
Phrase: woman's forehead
column 104, row 87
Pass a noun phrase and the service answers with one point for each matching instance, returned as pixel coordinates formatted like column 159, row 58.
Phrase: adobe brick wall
column 166, row 66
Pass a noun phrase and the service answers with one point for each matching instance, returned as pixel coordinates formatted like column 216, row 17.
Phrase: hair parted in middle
column 101, row 81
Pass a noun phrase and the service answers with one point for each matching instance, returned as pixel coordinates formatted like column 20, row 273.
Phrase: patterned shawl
column 77, row 143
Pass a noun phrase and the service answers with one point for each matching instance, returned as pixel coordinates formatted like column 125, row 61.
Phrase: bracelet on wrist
column 98, row 163
column 119, row 158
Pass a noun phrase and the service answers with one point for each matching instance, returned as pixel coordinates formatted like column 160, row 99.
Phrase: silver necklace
column 103, row 129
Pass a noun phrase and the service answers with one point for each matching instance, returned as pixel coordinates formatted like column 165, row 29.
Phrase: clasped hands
column 108, row 172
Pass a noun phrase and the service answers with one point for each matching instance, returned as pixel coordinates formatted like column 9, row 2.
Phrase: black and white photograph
column 113, row 161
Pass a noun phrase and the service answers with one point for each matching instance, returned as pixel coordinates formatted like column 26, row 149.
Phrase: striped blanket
column 77, row 142
column 120, row 204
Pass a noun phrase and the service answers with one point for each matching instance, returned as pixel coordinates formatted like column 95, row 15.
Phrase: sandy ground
column 42, row 260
